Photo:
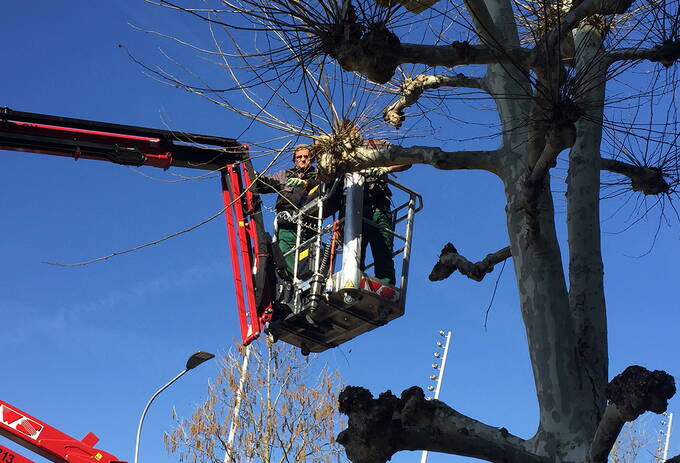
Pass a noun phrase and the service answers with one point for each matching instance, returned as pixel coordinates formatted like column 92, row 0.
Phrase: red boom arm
column 141, row 146
column 46, row 441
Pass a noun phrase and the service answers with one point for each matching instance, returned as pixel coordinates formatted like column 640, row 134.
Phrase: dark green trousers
column 285, row 238
column 382, row 244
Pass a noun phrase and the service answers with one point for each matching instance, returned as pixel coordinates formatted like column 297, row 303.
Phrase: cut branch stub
column 412, row 88
column 441, row 270
column 378, row 428
column 630, row 394
column 371, row 430
column 450, row 261
column 336, row 153
column 394, row 117
column 650, row 181
column 372, row 51
column 667, row 53
column 638, row 390
column 647, row 179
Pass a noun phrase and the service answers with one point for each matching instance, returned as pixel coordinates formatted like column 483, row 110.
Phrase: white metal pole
column 440, row 376
column 237, row 407
column 351, row 246
column 441, row 372
column 668, row 437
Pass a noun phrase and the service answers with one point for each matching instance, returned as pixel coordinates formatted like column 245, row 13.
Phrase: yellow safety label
column 349, row 284
column 303, row 254
column 98, row 456
column 240, row 223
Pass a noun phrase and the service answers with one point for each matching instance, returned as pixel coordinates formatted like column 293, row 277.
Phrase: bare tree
column 279, row 408
column 584, row 84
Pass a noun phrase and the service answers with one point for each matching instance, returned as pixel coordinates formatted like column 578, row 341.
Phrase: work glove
column 375, row 171
column 296, row 182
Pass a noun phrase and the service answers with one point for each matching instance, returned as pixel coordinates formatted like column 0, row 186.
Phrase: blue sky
column 83, row 348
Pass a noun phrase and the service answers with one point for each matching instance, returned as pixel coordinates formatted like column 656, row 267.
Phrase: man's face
column 303, row 158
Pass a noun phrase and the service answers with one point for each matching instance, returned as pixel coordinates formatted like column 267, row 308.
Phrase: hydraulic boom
column 142, row 146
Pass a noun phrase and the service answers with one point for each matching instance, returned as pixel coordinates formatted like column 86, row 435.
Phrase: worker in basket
column 377, row 209
column 295, row 187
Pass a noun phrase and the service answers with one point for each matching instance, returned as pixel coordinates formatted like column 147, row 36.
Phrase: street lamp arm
column 141, row 420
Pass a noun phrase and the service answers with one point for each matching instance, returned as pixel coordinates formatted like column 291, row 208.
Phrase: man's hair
column 303, row 146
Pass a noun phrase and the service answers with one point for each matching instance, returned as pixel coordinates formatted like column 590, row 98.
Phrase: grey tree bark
column 564, row 315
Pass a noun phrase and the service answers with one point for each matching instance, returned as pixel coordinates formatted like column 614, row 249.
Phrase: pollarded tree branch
column 434, row 156
column 378, row 428
column 334, row 158
column 460, row 53
column 558, row 139
column 668, row 53
column 450, row 261
column 367, row 46
column 570, row 21
column 411, row 89
column 631, row 393
column 377, row 54
column 648, row 180
column 589, row 8
column 638, row 390
column 560, row 136
column 607, row 432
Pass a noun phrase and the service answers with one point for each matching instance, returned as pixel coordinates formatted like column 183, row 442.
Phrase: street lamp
column 193, row 361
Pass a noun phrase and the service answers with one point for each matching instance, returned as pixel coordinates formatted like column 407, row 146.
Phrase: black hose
column 325, row 260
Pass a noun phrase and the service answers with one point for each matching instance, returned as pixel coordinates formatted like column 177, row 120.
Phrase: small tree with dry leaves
column 642, row 440
column 282, row 409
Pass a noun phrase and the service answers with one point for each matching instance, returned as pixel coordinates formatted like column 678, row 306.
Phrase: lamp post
column 193, row 361
column 437, row 377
